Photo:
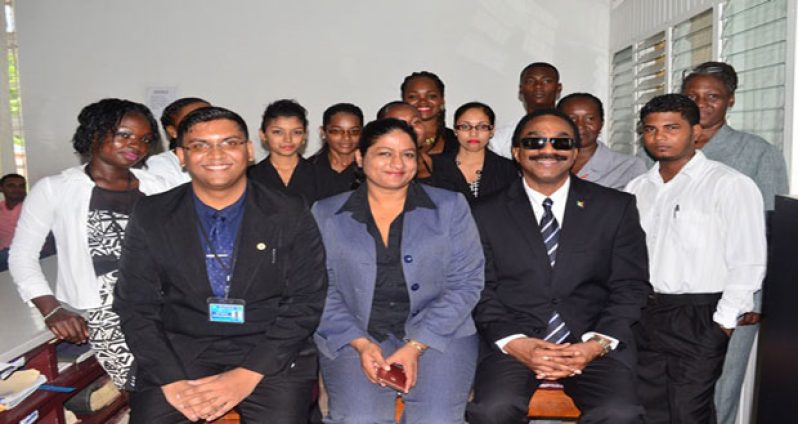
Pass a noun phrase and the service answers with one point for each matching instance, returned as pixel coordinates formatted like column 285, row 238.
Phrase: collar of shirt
column 232, row 214
column 358, row 202
column 558, row 199
column 693, row 169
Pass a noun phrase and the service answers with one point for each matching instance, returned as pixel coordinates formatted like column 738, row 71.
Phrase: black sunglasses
column 537, row 143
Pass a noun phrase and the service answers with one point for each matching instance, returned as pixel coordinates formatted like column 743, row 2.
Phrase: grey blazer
column 443, row 266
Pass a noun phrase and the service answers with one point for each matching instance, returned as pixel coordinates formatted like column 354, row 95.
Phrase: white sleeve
column 742, row 211
column 35, row 222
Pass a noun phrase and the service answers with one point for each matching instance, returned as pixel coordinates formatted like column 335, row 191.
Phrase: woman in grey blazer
column 405, row 269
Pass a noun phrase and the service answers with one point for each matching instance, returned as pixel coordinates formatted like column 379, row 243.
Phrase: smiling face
column 480, row 129
column 343, row 133
column 410, row 115
column 539, row 88
column 217, row 169
column 390, row 162
column 711, row 96
column 127, row 145
column 284, row 135
column 545, row 170
column 587, row 117
column 669, row 137
column 423, row 93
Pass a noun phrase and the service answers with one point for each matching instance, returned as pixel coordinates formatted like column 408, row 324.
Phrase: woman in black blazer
column 335, row 161
column 473, row 169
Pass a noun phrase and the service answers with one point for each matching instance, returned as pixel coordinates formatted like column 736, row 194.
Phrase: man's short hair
column 723, row 72
column 10, row 176
column 588, row 96
column 672, row 103
column 544, row 112
column 207, row 114
column 540, row 65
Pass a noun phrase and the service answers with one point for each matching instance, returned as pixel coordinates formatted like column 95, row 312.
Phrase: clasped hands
column 552, row 361
column 211, row 397
column 371, row 360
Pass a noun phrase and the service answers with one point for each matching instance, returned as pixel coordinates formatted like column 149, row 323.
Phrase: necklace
column 430, row 141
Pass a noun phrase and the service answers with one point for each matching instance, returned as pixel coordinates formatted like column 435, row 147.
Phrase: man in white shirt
column 705, row 230
column 539, row 88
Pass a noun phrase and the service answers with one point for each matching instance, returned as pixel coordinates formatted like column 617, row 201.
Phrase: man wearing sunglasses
column 566, row 275
column 222, row 285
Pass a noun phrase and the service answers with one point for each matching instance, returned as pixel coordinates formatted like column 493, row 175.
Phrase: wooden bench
column 548, row 402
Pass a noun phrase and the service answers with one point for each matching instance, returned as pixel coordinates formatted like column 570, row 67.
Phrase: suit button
column 414, row 313
column 555, row 301
column 408, row 259
column 414, row 287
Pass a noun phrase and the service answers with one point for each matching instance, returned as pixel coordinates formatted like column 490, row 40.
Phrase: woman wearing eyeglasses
column 335, row 161
column 473, row 169
column 87, row 208
column 283, row 131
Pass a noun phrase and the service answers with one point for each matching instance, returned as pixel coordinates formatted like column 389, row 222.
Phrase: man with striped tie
column 566, row 276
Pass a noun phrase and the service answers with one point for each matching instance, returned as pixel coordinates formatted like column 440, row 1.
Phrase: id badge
column 227, row 311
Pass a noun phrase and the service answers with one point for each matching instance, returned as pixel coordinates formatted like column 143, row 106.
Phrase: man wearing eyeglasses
column 566, row 276
column 222, row 283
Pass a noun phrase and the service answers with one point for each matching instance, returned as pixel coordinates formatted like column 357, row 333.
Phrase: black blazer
column 600, row 280
column 162, row 291
column 303, row 181
column 497, row 174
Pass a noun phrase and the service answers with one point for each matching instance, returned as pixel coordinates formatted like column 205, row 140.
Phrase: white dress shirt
column 559, row 198
column 705, row 232
column 167, row 166
column 60, row 203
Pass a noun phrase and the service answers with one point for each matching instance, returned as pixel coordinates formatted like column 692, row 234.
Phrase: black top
column 302, row 182
column 108, row 215
column 391, row 303
column 497, row 173
column 450, row 145
column 330, row 182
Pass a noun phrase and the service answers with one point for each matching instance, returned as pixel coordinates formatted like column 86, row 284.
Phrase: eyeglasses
column 537, row 143
column 468, row 127
column 200, row 147
column 335, row 131
column 122, row 137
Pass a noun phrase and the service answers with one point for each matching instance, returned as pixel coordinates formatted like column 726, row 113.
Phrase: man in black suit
column 222, row 283
column 566, row 277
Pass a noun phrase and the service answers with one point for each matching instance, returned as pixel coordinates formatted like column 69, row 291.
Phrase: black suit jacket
column 599, row 282
column 303, row 181
column 162, row 291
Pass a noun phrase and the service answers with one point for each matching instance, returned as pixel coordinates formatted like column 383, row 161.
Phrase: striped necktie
column 556, row 331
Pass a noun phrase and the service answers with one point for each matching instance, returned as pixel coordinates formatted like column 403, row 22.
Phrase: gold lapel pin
column 261, row 246
column 580, row 204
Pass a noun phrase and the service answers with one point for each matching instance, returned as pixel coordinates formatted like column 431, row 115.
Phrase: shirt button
column 414, row 287
column 408, row 259
column 391, row 304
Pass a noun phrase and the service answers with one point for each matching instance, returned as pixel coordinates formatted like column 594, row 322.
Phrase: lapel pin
column 261, row 246
column 580, row 204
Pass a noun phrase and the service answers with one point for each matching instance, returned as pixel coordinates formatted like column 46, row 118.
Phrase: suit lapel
column 258, row 236
column 182, row 234
column 526, row 223
column 575, row 222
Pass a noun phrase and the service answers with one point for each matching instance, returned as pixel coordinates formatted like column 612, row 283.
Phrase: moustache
column 547, row 156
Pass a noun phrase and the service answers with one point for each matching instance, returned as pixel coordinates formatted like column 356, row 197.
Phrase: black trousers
column 680, row 357
column 604, row 392
column 284, row 398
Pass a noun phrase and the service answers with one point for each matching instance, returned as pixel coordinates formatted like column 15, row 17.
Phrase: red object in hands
column 395, row 378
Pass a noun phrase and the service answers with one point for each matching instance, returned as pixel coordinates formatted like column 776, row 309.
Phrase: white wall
column 244, row 54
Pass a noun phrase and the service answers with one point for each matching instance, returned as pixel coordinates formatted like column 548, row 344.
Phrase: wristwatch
column 606, row 345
